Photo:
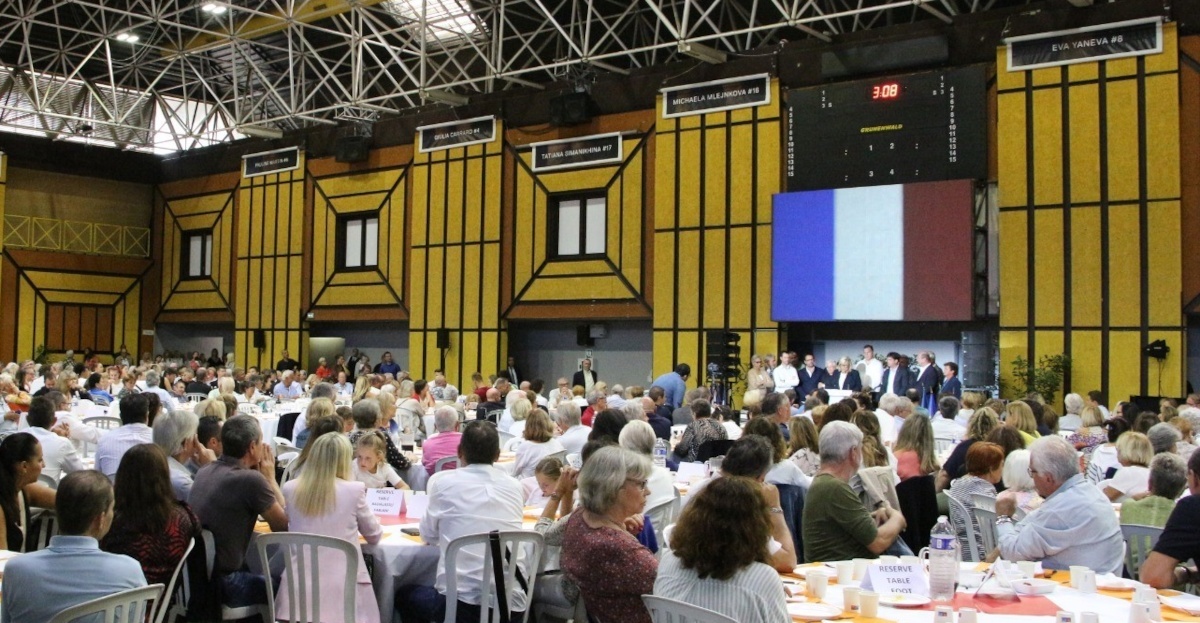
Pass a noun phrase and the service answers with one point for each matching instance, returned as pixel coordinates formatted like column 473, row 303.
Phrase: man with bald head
column 660, row 424
column 491, row 409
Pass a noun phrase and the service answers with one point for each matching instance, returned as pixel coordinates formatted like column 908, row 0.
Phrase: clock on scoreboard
column 917, row 127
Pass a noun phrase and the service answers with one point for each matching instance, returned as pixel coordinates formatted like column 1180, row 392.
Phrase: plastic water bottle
column 660, row 453
column 943, row 561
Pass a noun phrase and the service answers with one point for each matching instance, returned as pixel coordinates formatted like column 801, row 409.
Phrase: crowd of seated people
column 189, row 455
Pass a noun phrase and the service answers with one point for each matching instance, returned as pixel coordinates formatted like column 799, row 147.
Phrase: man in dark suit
column 810, row 376
column 896, row 378
column 585, row 377
column 928, row 379
column 950, row 383
column 512, row 372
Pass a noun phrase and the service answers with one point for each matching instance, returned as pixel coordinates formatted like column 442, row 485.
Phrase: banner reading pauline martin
column 715, row 96
column 1137, row 37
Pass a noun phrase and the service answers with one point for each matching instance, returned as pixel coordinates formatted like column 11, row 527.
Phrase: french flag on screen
column 897, row 252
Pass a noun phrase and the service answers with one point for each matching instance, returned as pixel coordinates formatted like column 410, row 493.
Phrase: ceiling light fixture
column 444, row 97
column 702, row 52
column 213, row 8
column 128, row 37
column 260, row 131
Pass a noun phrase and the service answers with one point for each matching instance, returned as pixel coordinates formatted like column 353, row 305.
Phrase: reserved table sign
column 906, row 579
column 387, row 502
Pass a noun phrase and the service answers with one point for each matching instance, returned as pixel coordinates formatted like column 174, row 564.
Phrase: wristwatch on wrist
column 555, row 496
column 1004, row 519
column 776, row 510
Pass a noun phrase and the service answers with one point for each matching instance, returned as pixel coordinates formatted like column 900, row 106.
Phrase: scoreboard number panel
column 918, row 127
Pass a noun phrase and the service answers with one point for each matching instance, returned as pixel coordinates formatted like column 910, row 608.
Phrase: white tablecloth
column 400, row 561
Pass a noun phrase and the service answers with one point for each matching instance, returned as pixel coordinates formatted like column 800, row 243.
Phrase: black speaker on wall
column 572, row 109
column 443, row 338
column 583, row 335
column 260, row 339
column 352, row 148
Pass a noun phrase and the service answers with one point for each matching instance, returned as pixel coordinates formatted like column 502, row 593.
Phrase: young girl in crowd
column 542, row 483
column 370, row 464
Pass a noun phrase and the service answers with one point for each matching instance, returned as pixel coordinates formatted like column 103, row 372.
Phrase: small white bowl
column 1034, row 587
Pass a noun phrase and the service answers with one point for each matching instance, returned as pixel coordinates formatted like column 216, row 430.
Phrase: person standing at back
column 674, row 384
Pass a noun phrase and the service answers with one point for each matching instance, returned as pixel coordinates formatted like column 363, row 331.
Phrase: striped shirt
column 753, row 595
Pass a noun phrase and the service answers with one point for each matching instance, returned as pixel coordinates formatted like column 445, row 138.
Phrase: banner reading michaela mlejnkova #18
column 715, row 96
column 1137, row 37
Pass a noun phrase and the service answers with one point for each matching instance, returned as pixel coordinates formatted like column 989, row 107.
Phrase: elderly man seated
column 1180, row 540
column 836, row 525
column 1074, row 526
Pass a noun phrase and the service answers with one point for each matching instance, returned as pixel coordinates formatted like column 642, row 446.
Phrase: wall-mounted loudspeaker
column 583, row 335
column 260, row 339
column 443, row 338
column 352, row 148
column 572, row 109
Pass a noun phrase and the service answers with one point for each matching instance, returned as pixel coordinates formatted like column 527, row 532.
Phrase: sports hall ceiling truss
column 197, row 75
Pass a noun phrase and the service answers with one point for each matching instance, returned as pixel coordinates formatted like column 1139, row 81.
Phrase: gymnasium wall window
column 578, row 224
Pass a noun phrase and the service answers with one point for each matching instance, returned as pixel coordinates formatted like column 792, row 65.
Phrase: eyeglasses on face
column 640, row 483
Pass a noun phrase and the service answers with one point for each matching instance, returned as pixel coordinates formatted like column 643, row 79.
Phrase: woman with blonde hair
column 520, row 411
column 539, row 443
column 915, row 451
column 1091, row 431
column 1019, row 416
column 803, row 443
column 970, row 402
column 224, row 386
column 317, row 409
column 319, row 502
column 874, row 454
column 1186, row 445
column 981, row 424
column 211, row 406
column 1134, row 453
column 361, row 386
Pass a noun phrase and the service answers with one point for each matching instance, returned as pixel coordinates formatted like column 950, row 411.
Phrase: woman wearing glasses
column 600, row 553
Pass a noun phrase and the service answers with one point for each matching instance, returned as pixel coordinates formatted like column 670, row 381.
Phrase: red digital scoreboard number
column 885, row 91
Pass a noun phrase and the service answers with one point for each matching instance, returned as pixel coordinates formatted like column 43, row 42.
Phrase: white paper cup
column 1089, row 617
column 968, row 615
column 891, row 560
column 860, row 568
column 868, row 603
column 816, row 582
column 1139, row 612
column 850, row 596
column 1064, row 616
column 1145, row 593
column 943, row 614
column 1077, row 574
column 1027, row 568
column 1087, row 583
column 845, row 572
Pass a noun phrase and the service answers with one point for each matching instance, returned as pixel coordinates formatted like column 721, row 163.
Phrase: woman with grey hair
column 1073, row 405
column 600, row 553
column 1163, row 437
column 639, row 437
column 410, row 415
column 175, row 433
column 1168, row 478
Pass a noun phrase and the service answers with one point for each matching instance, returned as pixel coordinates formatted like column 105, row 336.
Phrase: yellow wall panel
column 1048, row 288
column 357, row 183
column 491, row 288
column 1014, row 269
column 688, row 314
column 599, row 288
column 1086, row 283
column 1012, row 345
column 577, row 179
column 663, row 343
column 712, row 297
column 1006, row 80
column 355, row 278
column 714, row 197
column 194, row 285
column 1125, row 360
column 690, row 184
column 85, row 298
column 1121, row 67
column 1010, row 137
column 27, row 298
column 191, row 301
column 559, row 268
column 1048, row 343
column 1162, row 132
column 473, row 282
column 491, row 190
column 664, row 182
column 350, row 295
column 632, row 223
column 1080, row 72
column 453, row 306
column 1086, row 373
column 1047, row 76
column 78, row 282
column 200, row 203
column 1084, row 140
column 740, row 290
column 1123, row 151
column 1168, row 60
column 197, row 221
column 454, row 200
column 762, row 280
column 664, row 278
column 1124, row 271
column 1164, row 268
column 741, row 173
column 435, row 288
column 420, row 190
column 1047, row 146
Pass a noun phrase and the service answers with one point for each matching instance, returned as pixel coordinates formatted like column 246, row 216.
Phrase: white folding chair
column 48, row 481
column 986, row 523
column 512, row 444
column 126, row 606
column 442, row 463
column 958, row 513
column 519, row 546
column 302, row 581
column 560, row 455
column 1139, row 542
column 283, row 445
column 505, row 436
column 44, row 524
column 103, row 422
column 175, row 596
column 943, row 444
column 984, row 501
column 663, row 610
column 228, row 613
column 663, row 514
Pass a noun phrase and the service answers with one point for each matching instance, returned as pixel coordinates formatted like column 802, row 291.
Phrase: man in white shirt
column 944, row 426
column 891, row 413
column 616, row 396
column 475, row 498
column 58, row 453
column 574, row 433
column 80, row 433
column 440, row 385
column 874, row 371
column 135, row 409
column 785, row 374
column 560, row 394
column 152, row 380
column 287, row 389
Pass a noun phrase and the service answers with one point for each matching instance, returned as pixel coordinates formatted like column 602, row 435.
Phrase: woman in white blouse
column 539, row 443
column 1134, row 453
